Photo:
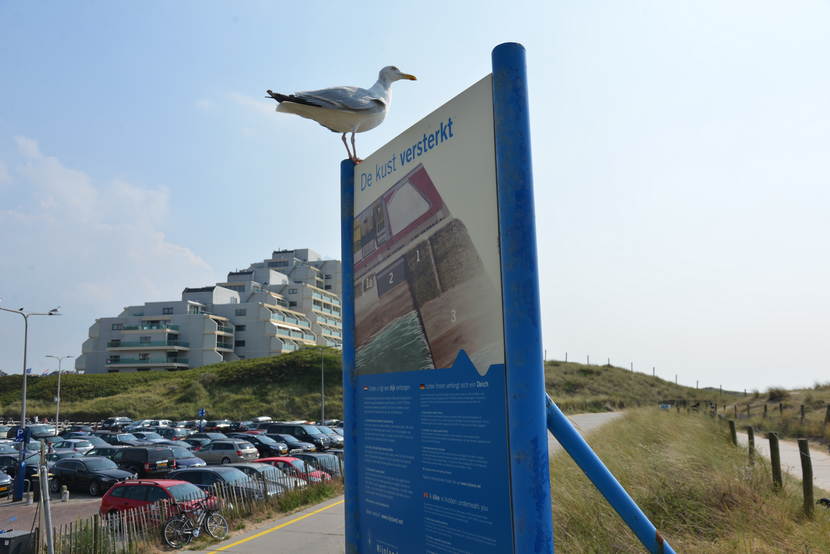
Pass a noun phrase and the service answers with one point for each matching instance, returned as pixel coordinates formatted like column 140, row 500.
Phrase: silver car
column 225, row 451
column 80, row 446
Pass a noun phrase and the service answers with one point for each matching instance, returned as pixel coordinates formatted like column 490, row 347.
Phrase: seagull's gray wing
column 342, row 98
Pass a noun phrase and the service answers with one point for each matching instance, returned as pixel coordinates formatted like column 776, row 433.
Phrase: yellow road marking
column 276, row 527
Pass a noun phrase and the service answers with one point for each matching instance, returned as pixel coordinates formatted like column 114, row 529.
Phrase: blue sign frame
column 529, row 469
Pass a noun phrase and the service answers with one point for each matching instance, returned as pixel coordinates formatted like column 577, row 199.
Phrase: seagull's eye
column 395, row 68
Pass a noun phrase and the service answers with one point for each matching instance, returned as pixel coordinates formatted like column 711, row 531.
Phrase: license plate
column 161, row 463
column 4, row 488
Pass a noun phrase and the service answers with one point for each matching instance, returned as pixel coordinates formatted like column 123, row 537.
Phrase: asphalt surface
column 19, row 516
column 320, row 529
column 791, row 458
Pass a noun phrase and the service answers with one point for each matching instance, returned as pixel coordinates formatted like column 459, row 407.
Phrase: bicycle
column 189, row 523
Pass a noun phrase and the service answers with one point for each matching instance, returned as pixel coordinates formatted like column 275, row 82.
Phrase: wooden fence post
column 802, row 414
column 747, row 411
column 750, row 437
column 732, row 433
column 736, row 411
column 765, row 410
column 827, row 416
column 806, row 476
column 780, row 409
column 775, row 459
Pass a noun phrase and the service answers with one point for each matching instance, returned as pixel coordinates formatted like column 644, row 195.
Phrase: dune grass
column 692, row 483
column 783, row 411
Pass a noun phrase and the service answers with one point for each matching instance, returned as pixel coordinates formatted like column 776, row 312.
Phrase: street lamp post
column 19, row 478
column 58, row 397
column 322, row 389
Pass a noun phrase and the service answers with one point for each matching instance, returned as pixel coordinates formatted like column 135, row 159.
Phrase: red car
column 296, row 467
column 136, row 493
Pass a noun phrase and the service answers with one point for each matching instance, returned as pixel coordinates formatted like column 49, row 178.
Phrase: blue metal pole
column 529, row 466
column 604, row 480
column 352, row 509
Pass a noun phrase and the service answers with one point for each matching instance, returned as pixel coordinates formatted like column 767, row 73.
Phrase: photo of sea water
column 400, row 346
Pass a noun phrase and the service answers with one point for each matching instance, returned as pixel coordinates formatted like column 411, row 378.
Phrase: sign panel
column 446, row 447
column 434, row 473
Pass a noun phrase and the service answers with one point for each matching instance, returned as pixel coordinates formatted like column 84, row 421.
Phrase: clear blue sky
column 681, row 162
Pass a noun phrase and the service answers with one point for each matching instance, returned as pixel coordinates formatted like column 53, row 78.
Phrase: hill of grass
column 284, row 387
column 697, row 489
column 779, row 410
column 591, row 388
column 288, row 387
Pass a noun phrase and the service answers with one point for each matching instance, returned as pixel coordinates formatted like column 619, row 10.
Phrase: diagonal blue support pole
column 604, row 480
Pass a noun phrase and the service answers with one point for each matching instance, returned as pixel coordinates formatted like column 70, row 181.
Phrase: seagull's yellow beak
column 408, row 76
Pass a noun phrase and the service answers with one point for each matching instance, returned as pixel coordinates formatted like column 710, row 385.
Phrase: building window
column 117, row 326
column 328, row 276
column 239, row 343
column 328, row 287
column 241, row 312
column 240, row 328
column 113, row 359
column 143, row 356
column 292, row 304
column 144, row 339
column 167, row 311
column 292, row 291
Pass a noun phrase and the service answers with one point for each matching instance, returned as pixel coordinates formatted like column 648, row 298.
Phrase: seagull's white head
column 390, row 74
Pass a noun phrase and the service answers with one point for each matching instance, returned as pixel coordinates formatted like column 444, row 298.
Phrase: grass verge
column 694, row 486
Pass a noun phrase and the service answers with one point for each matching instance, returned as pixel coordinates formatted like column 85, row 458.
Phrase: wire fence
column 139, row 528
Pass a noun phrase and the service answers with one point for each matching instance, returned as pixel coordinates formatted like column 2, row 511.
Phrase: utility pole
column 675, row 378
column 632, row 367
column 588, row 358
column 322, row 389
column 653, row 372
column 58, row 396
column 21, row 465
column 566, row 356
column 697, row 384
column 43, row 481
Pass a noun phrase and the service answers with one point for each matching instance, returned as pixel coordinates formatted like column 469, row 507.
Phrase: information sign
column 431, row 462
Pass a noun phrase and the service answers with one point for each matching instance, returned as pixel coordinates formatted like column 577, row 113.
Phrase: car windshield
column 81, row 444
column 274, row 474
column 326, row 430
column 312, row 430
column 186, row 491
column 181, row 452
column 152, row 436
column 300, row 465
column 289, row 439
column 126, row 437
column 235, row 476
column 100, row 464
column 266, row 440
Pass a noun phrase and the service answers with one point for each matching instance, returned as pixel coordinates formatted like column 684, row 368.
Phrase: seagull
column 344, row 109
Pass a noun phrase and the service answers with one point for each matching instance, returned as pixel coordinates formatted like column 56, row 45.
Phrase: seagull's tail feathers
column 290, row 99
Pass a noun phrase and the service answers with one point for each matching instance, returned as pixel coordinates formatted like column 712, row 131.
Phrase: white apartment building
column 279, row 305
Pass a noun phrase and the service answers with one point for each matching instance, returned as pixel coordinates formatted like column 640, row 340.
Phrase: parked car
column 265, row 445
column 323, row 461
column 296, row 468
column 80, row 429
column 123, row 439
column 207, row 479
column 294, row 445
column 276, row 482
column 36, row 431
column 81, row 446
column 197, row 443
column 185, row 458
column 335, row 438
column 303, row 432
column 94, row 475
column 131, row 494
column 115, row 423
column 148, row 436
column 227, row 451
column 241, row 426
column 5, row 484
column 218, row 425
column 212, row 436
column 104, row 451
column 145, row 461
column 4, row 430
column 174, row 433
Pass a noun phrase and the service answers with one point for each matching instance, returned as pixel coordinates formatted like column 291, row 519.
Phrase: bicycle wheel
column 177, row 532
column 216, row 525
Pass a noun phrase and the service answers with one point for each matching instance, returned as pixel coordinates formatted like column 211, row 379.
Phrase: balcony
column 288, row 319
column 225, row 329
column 159, row 327
column 138, row 345
column 127, row 362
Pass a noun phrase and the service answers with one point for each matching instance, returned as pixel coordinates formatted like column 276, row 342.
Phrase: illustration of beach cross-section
column 421, row 292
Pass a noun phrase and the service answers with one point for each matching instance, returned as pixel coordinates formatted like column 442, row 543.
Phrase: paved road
column 17, row 515
column 320, row 529
column 791, row 458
